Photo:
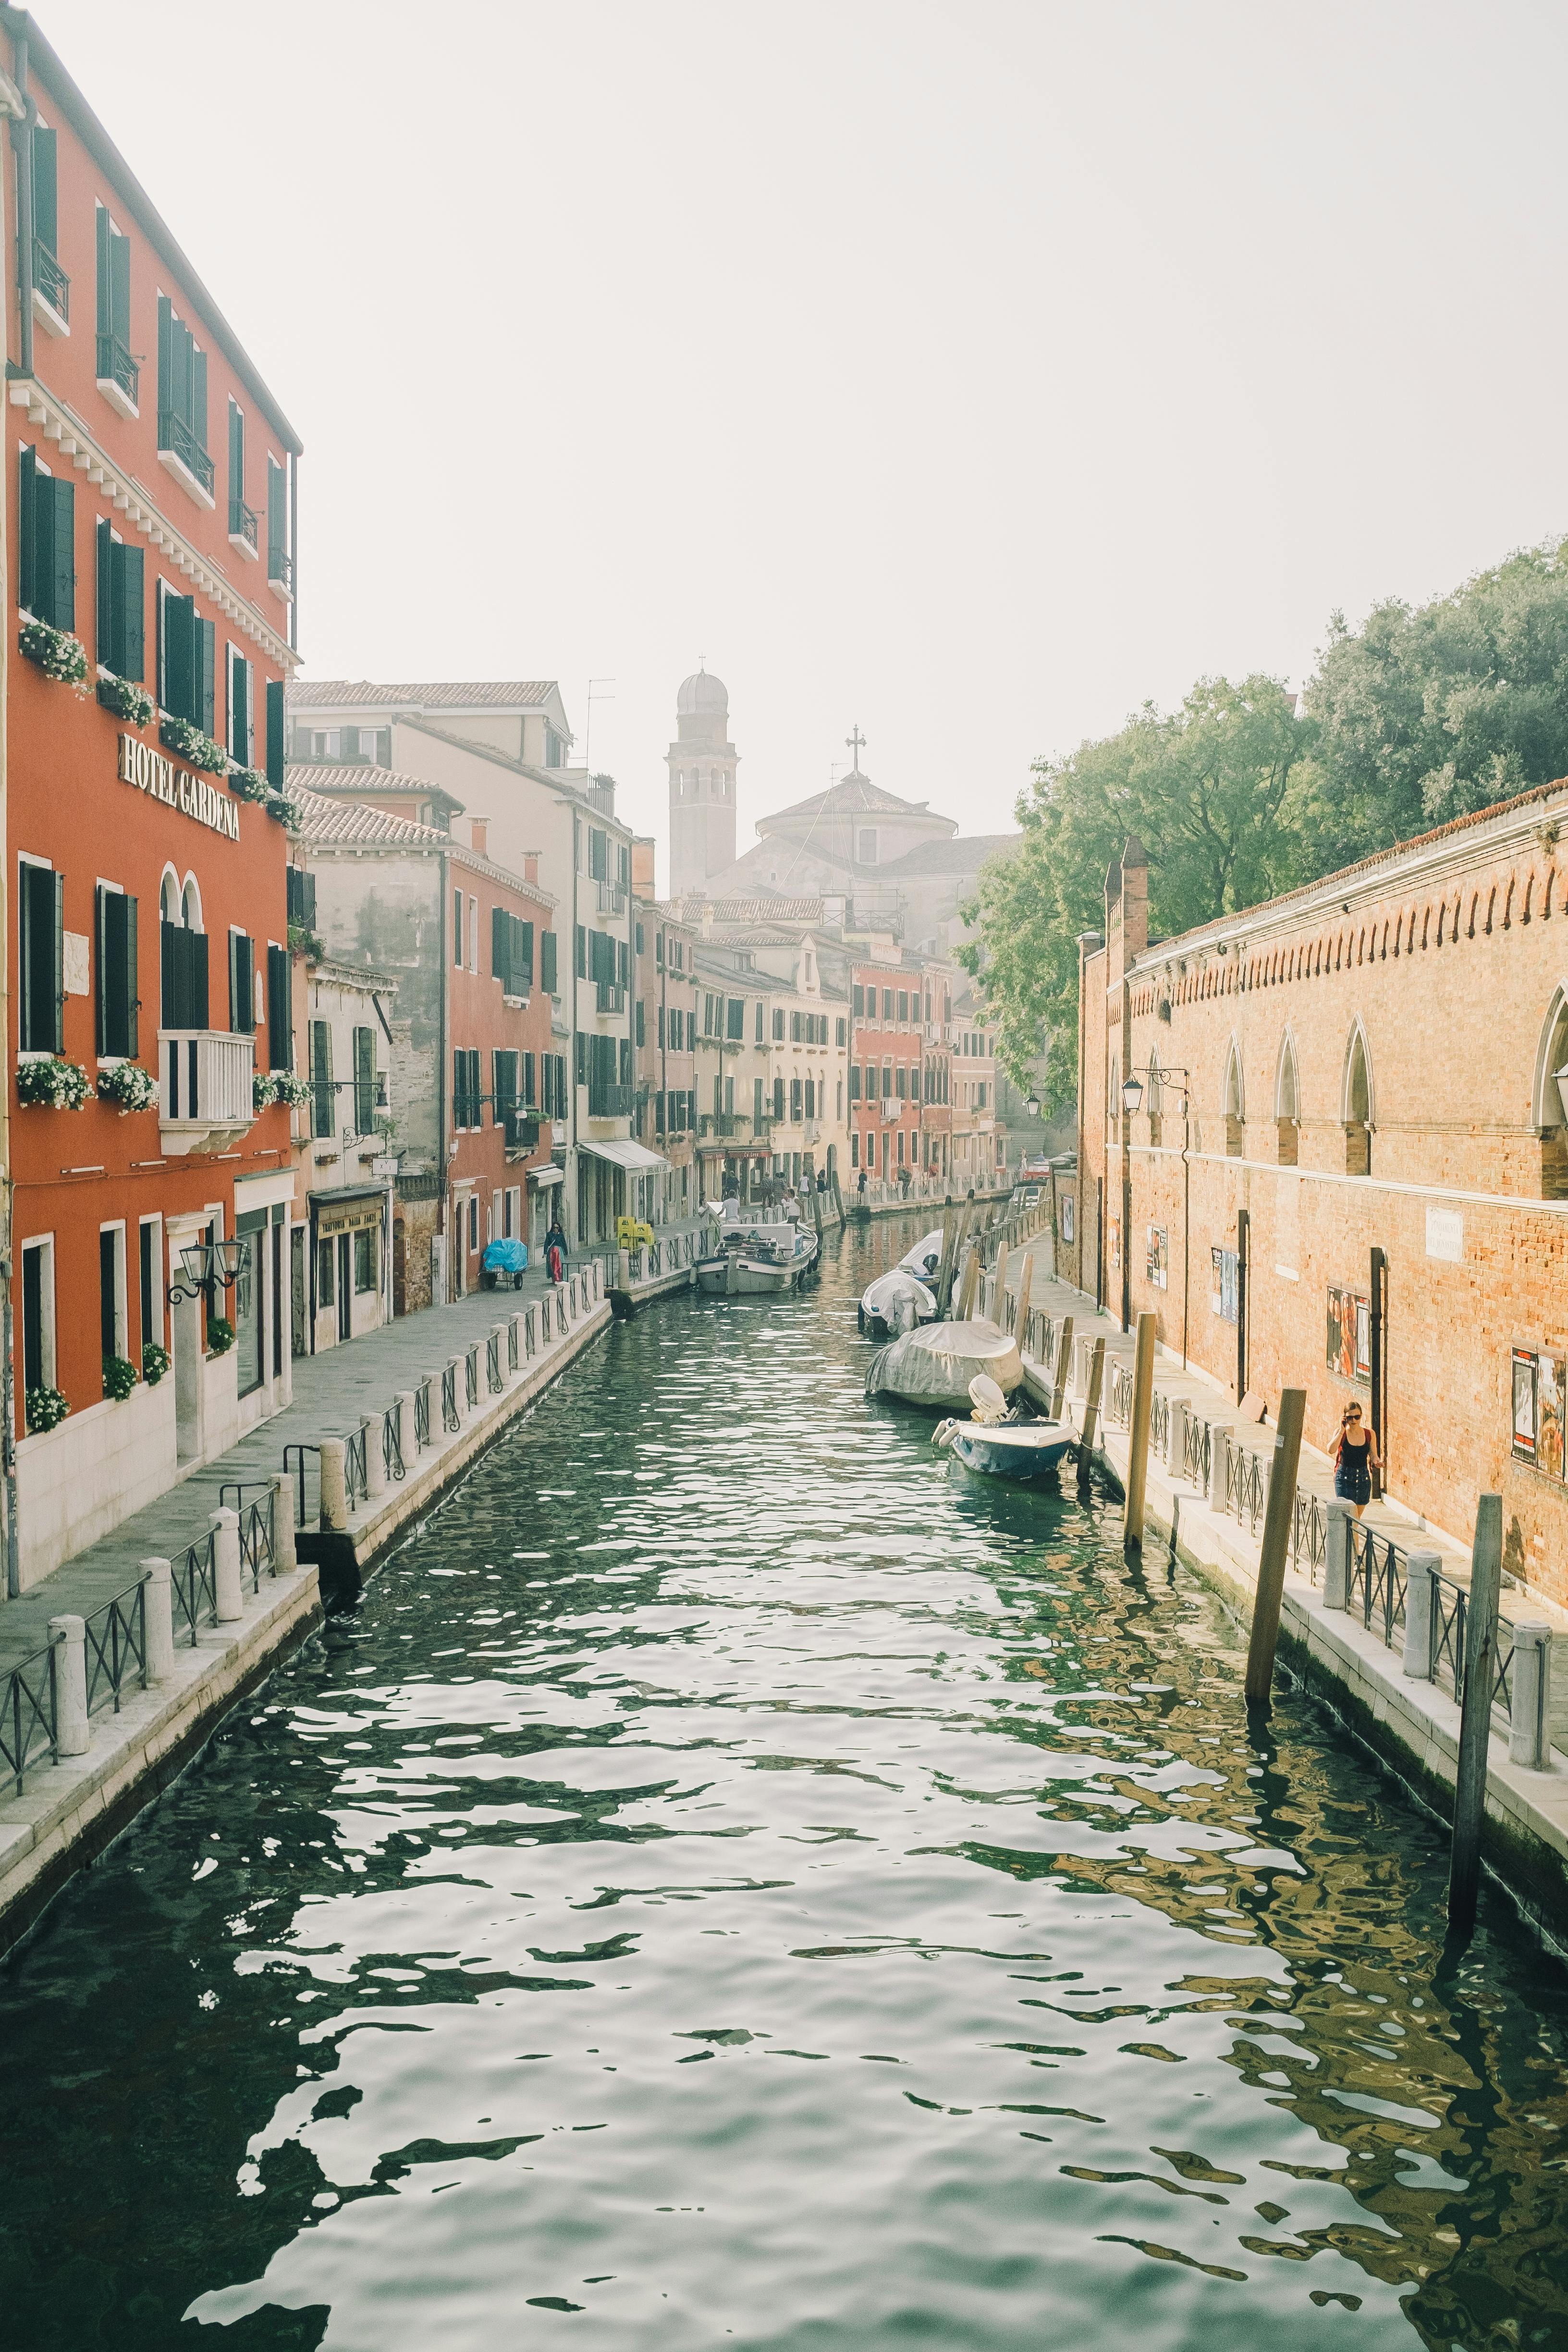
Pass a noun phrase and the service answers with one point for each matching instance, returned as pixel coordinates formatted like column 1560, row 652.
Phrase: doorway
column 345, row 1287
column 186, row 1330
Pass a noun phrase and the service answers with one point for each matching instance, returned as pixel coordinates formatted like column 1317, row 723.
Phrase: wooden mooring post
column 1064, row 1358
column 1091, row 1408
column 971, row 1284
column 1475, row 1714
column 1138, row 1435
column 1265, row 1600
column 1021, row 1314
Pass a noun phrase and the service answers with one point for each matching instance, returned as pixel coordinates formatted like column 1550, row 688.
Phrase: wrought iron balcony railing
column 116, row 367
column 243, row 526
column 51, row 281
column 176, row 438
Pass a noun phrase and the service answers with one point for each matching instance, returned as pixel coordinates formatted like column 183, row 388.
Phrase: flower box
column 127, row 701
column 287, row 811
column 119, row 1378
column 287, row 1087
column 220, row 1335
column 156, row 1362
column 57, row 653
column 179, row 735
column 129, row 1087
column 46, row 1408
column 52, row 1083
column 248, row 784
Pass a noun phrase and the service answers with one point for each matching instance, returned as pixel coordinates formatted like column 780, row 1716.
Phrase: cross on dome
column 856, row 743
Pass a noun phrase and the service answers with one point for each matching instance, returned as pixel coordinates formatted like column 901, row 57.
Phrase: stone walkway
column 333, row 1393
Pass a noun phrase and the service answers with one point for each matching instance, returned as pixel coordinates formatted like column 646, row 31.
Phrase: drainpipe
column 293, row 551
column 14, row 104
column 444, row 869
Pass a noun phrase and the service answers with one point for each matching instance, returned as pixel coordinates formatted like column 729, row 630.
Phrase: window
column 902, row 1077
column 547, row 977
column 1348, row 1349
column 840, row 1032
column 758, row 1112
column 1157, row 1260
column 121, row 607
column 241, row 985
column 854, row 1082
column 795, row 1101
column 182, row 961
column 187, row 654
column 458, row 928
column 759, row 1025
column 778, row 1024
column 582, row 951
column 472, row 941
column 46, row 545
column 473, row 1222
column 364, row 1259
column 641, row 1037
column 467, row 1101
column 241, row 711
column 887, row 1004
column 279, row 1009
column 241, row 521
column 42, row 959
column 111, row 1319
column 38, row 1313
column 364, row 1081
column 149, row 1259
column 857, row 1001
column 735, row 1019
column 182, row 403
column 511, row 952
column 326, row 1292
column 530, row 1097
column 116, row 992
column 778, row 1098
column 278, row 566
column 503, row 1083
column 903, row 1004
column 855, row 1148
column 599, row 854
column 323, row 1116
column 52, row 282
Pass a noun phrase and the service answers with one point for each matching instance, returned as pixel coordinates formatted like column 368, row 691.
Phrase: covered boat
column 934, row 1365
column 895, row 1303
column 924, row 1261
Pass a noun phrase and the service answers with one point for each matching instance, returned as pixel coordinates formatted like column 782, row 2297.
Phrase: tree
column 1208, row 789
column 1425, row 714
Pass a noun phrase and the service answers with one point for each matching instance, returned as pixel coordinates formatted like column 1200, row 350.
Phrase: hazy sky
column 969, row 370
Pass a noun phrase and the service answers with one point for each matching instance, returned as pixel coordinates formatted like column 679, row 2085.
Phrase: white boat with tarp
column 895, row 1303
column 757, row 1260
column 934, row 1365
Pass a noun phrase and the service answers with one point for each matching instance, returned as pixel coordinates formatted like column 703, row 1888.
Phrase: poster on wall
column 1112, row 1242
column 1157, row 1263
column 1349, row 1348
column 1066, row 1217
column 1548, row 1453
column 1524, row 1399
column 1224, row 1294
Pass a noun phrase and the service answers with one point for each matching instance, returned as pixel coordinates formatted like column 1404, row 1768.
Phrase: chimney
column 531, row 865
column 642, row 865
column 479, row 835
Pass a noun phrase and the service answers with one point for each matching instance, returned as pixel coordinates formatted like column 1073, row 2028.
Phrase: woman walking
column 1355, row 1459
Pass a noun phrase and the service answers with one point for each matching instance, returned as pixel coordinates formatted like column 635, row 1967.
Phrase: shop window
column 1349, row 1348
column 365, row 1260
column 326, row 1285
column 1157, row 1262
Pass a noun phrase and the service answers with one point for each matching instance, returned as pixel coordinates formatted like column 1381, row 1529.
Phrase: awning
column 547, row 1175
column 625, row 1154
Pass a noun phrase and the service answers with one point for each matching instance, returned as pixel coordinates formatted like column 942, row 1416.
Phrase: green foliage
column 1424, row 715
column 45, row 1408
column 118, row 1378
column 1209, row 790
column 155, row 1362
column 220, row 1335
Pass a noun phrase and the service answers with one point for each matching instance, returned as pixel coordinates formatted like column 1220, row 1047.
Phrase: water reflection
column 738, row 1879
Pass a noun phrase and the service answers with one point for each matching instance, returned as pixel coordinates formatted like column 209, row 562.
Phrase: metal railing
column 29, row 1714
column 422, row 1415
column 51, row 281
column 242, row 523
column 1160, row 1425
column 511, row 1362
column 294, row 1466
column 175, row 435
column 258, row 1538
column 1120, row 1406
column 493, row 1373
column 1378, row 1576
column 356, row 1468
column 116, row 366
column 449, row 1417
column 392, row 1442
column 1309, row 1532
column 1197, row 1452
column 280, row 566
column 193, row 1583
column 530, row 1329
column 117, row 1646
column 471, row 1377
column 1246, row 1486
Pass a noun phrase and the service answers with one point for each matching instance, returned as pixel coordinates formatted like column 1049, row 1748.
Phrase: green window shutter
column 168, row 362
column 37, row 960
column 582, row 952
column 57, row 944
column 26, row 531
column 131, row 612
column 207, row 652
column 198, row 415
column 103, row 545
column 129, row 967
column 276, row 518
column 547, row 976
column 641, row 1037
column 458, row 928
column 523, row 956
column 529, row 1097
column 105, row 277
column 279, row 1025
column 235, row 453
column 55, row 552
column 46, row 188
column 500, row 949
column 364, row 1081
column 275, row 724
column 120, row 290
column 177, row 626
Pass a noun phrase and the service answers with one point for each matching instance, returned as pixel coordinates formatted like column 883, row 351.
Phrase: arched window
column 1287, row 1101
column 1356, row 1105
column 191, row 904
column 1234, row 1107
column 1548, row 1104
column 183, row 971
column 169, row 895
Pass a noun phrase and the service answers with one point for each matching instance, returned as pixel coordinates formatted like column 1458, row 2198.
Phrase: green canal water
column 733, row 1879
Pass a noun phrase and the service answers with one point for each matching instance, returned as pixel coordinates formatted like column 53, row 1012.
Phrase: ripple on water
column 734, row 1879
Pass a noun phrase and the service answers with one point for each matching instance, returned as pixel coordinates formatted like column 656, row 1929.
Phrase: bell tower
column 701, row 762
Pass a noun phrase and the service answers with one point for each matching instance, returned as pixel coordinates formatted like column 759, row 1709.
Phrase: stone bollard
column 1177, row 1462
column 623, row 1258
column 409, row 1445
column 158, row 1584
column 1421, row 1571
column 72, row 1726
column 498, row 1333
column 335, row 1484
column 227, row 1584
column 1337, row 1557
column 1219, row 1464
column 375, row 1460
column 285, row 1549
column 1529, row 1738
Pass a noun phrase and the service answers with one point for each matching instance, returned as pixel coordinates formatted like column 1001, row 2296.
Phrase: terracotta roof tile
column 460, row 694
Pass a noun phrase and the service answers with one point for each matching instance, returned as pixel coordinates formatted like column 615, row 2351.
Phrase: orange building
column 148, row 515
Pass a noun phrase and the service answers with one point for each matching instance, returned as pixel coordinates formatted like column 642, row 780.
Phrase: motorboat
column 895, row 1303
column 757, row 1261
column 934, row 1365
column 924, row 1261
column 999, row 1443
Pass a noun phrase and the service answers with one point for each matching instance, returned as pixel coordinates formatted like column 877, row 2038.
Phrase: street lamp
column 1033, row 1106
column 1131, row 1094
column 206, row 1266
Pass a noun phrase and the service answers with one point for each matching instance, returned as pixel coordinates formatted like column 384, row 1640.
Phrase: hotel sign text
column 151, row 772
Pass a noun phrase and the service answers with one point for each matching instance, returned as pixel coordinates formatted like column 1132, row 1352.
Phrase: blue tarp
column 505, row 1257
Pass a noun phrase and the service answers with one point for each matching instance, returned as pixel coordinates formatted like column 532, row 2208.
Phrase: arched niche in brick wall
column 1547, row 1108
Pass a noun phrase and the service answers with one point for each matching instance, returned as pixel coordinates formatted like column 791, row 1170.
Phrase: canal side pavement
column 1413, row 1723
column 68, row 1810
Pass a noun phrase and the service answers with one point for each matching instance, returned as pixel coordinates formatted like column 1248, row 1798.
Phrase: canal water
column 735, row 1880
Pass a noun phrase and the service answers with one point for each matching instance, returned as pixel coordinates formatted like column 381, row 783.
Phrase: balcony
column 611, row 1102
column 612, row 899
column 243, row 530
column 205, row 1098
column 279, row 570
column 611, row 998
column 51, row 290
column 722, row 1123
column 522, row 1132
column 119, row 377
column 182, row 455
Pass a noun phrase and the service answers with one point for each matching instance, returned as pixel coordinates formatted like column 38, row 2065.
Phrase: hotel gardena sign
column 151, row 772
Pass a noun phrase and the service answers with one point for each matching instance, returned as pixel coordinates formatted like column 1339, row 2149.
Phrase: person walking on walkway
column 556, row 1251
column 1355, row 1459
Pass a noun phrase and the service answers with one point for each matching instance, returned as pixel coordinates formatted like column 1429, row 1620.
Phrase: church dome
column 702, row 694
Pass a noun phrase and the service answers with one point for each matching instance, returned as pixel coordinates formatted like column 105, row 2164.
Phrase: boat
column 757, row 1261
column 895, row 1303
column 996, row 1442
column 924, row 1261
column 934, row 1365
